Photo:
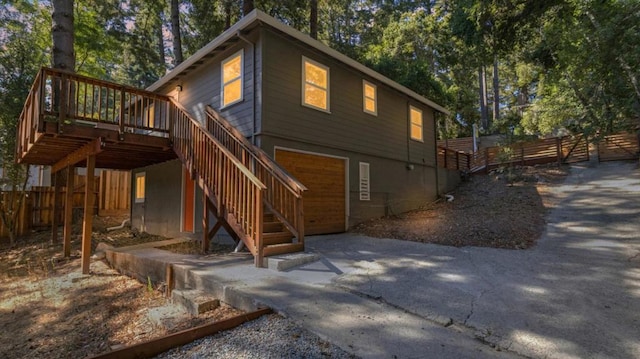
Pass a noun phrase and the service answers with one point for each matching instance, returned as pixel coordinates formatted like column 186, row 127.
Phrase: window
column 364, row 182
column 369, row 98
column 416, row 124
column 232, row 79
column 315, row 85
column 140, row 185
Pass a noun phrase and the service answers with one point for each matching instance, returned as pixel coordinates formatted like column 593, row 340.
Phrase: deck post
column 68, row 212
column 87, row 222
column 57, row 192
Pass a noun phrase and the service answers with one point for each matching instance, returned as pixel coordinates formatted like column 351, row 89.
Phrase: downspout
column 253, row 106
column 435, row 145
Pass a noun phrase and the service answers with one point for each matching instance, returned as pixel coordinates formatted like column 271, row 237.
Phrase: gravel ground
column 270, row 336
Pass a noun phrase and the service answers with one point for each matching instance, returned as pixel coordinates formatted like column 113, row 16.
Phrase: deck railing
column 64, row 98
column 234, row 190
column 284, row 194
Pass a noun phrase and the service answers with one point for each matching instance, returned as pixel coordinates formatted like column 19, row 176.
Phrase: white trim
column 222, row 83
column 346, row 175
column 366, row 83
column 142, row 199
column 259, row 16
column 304, row 84
column 364, row 184
column 421, row 139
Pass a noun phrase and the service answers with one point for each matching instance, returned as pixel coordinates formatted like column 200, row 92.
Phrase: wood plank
column 156, row 346
column 87, row 223
column 68, row 212
column 90, row 149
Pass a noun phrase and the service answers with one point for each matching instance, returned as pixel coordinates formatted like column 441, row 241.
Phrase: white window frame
column 364, row 181
column 421, row 139
column 304, row 83
column 366, row 83
column 137, row 198
column 241, row 77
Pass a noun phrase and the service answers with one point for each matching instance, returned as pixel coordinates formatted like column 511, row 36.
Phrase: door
column 325, row 200
column 188, row 204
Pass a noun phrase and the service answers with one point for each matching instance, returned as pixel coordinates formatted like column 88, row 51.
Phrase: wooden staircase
column 249, row 193
column 70, row 120
column 277, row 238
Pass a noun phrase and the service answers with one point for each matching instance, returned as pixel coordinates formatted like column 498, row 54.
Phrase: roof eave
column 257, row 15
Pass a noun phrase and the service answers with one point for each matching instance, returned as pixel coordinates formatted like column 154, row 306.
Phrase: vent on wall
column 364, row 182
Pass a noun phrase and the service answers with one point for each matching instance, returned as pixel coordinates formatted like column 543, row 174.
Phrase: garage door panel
column 324, row 202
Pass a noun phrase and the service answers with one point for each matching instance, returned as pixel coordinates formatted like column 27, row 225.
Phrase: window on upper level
column 369, row 98
column 231, row 79
column 415, row 123
column 315, row 85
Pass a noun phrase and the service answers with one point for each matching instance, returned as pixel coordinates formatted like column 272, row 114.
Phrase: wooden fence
column 558, row 149
column 619, row 146
column 112, row 197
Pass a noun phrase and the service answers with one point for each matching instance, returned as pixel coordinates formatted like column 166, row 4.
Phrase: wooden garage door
column 324, row 202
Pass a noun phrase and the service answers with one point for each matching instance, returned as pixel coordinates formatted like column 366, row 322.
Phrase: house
column 362, row 144
column 264, row 132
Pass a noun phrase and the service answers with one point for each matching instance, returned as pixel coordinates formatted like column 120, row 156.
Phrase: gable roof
column 255, row 17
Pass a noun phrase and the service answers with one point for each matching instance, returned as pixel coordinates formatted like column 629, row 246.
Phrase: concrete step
column 287, row 261
column 276, row 238
column 194, row 301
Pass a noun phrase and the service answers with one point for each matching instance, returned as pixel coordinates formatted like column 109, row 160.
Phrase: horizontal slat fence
column 558, row 149
column 112, row 197
column 619, row 146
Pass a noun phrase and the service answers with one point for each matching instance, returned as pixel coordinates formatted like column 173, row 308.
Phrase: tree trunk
column 161, row 60
column 496, row 91
column 313, row 19
column 62, row 35
column 175, row 31
column 227, row 14
column 247, row 7
column 484, row 116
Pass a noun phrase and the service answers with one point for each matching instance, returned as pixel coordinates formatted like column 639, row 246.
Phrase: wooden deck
column 70, row 120
column 68, row 116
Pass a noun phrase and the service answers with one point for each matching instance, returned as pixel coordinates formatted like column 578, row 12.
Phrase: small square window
column 315, row 85
column 140, row 187
column 369, row 98
column 231, row 79
column 416, row 124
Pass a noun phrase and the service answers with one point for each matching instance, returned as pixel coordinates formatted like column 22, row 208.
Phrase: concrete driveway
column 576, row 294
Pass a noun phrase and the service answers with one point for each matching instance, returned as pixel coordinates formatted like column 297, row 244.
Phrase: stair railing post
column 62, row 102
column 258, row 229
column 122, row 112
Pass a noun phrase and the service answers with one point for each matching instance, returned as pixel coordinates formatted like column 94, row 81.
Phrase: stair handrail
column 280, row 184
column 230, row 185
column 256, row 151
column 28, row 120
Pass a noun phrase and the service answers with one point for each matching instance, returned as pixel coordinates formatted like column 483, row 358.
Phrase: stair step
column 195, row 301
column 287, row 261
column 268, row 217
column 276, row 238
column 276, row 249
column 269, row 227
